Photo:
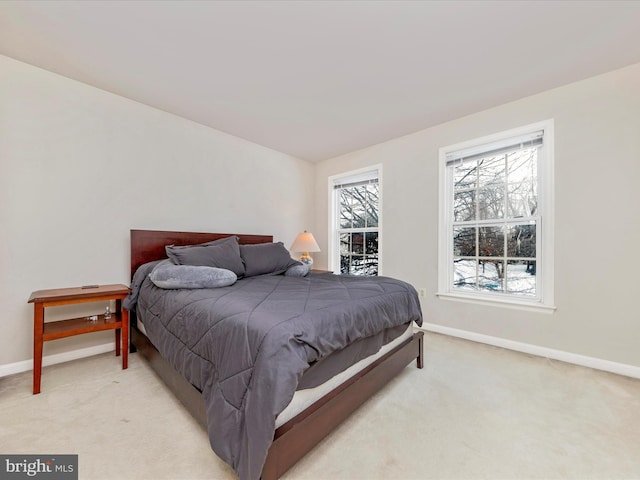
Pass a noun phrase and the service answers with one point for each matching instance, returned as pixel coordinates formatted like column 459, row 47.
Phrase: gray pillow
column 266, row 258
column 301, row 270
column 169, row 276
column 220, row 241
column 222, row 253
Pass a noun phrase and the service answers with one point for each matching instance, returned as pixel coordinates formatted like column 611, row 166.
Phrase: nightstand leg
column 38, row 330
column 117, row 330
column 125, row 338
column 118, row 309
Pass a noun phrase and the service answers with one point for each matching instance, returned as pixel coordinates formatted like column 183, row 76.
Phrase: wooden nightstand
column 45, row 331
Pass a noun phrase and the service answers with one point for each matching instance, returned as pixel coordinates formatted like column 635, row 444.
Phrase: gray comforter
column 247, row 345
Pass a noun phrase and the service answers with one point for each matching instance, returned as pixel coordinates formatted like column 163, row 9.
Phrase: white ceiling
column 316, row 79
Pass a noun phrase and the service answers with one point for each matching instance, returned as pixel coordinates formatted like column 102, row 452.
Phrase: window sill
column 497, row 302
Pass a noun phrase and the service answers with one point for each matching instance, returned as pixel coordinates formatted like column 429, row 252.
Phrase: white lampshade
column 305, row 243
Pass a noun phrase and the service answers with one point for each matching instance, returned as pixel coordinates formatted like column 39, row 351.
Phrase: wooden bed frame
column 299, row 435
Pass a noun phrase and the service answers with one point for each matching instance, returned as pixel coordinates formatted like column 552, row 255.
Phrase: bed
column 300, row 429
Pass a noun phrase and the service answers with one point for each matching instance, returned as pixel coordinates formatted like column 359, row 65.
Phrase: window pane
column 354, row 264
column 491, row 241
column 372, row 268
column 465, row 175
column 464, row 274
column 358, row 265
column 491, row 171
column 346, row 213
column 522, row 200
column 357, row 243
column 522, row 176
column 491, row 274
column 371, row 243
column 521, row 240
column 372, row 205
column 464, row 241
column 359, row 198
column 464, row 206
column 521, row 277
column 345, row 243
column 522, row 165
column 491, row 202
column 345, row 264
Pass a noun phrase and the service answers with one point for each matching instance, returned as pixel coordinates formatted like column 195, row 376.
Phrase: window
column 355, row 223
column 496, row 219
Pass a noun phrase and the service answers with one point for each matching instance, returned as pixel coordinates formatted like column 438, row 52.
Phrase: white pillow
column 169, row 276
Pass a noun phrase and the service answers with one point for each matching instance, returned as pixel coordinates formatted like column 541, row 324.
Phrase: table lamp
column 305, row 243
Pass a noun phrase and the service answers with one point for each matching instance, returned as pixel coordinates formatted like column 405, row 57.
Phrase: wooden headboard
column 148, row 245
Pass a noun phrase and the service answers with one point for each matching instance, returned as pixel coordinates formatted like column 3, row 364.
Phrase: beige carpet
column 474, row 412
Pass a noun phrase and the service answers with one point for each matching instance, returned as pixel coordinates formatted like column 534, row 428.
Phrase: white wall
column 597, row 230
column 80, row 167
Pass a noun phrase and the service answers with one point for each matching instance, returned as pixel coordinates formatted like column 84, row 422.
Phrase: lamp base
column 306, row 259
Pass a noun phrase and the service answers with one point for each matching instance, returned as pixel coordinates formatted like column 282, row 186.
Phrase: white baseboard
column 591, row 362
column 26, row 365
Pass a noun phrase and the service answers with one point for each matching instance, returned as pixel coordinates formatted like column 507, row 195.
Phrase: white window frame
column 334, row 237
column 544, row 230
